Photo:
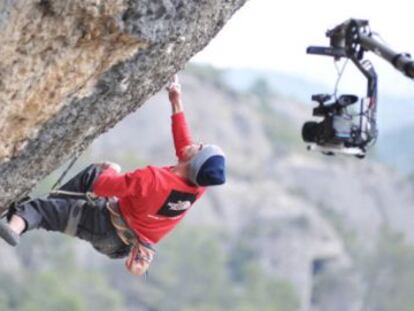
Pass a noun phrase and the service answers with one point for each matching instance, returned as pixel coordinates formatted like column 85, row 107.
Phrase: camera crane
column 342, row 131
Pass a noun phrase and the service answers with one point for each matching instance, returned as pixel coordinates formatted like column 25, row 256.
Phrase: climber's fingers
column 174, row 84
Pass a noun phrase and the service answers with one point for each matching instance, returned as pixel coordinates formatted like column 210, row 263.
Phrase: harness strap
column 75, row 213
column 74, row 219
column 128, row 236
column 124, row 232
column 90, row 196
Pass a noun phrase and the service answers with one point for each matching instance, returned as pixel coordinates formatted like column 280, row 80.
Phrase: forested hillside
column 290, row 230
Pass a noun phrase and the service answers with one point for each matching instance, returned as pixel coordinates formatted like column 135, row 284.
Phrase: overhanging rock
column 70, row 70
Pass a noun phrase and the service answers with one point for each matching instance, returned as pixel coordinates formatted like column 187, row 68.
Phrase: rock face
column 70, row 70
column 290, row 207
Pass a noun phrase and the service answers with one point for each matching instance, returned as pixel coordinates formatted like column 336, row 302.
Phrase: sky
column 273, row 35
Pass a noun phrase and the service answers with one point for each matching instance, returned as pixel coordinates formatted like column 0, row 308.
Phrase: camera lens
column 346, row 100
column 310, row 132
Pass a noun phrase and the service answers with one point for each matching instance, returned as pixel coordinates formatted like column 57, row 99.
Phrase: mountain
column 282, row 83
column 395, row 115
column 394, row 110
column 290, row 230
column 396, row 150
column 303, row 207
column 72, row 69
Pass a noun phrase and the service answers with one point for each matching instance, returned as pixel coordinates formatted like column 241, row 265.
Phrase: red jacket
column 153, row 200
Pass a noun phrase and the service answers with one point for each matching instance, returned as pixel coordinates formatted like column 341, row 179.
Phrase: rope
column 340, row 72
column 4, row 214
column 90, row 196
column 77, row 155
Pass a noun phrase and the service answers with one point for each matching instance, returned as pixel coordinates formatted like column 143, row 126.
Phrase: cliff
column 70, row 70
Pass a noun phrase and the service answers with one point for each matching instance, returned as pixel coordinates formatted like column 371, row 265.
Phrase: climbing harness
column 125, row 234
column 141, row 253
column 89, row 196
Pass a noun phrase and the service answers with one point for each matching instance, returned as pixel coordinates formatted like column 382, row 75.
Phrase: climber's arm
column 180, row 128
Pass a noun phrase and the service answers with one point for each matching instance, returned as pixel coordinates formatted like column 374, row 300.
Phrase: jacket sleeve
column 181, row 133
column 112, row 184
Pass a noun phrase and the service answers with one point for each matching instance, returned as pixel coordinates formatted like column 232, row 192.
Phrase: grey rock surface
column 72, row 70
column 285, row 205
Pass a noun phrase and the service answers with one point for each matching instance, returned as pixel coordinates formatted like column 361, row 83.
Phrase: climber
column 125, row 215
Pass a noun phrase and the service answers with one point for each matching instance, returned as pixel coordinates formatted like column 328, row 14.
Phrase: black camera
column 336, row 127
column 343, row 129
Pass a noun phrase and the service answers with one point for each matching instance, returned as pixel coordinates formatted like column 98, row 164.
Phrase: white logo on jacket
column 179, row 206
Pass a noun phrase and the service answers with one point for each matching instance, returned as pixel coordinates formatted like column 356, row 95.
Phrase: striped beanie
column 207, row 167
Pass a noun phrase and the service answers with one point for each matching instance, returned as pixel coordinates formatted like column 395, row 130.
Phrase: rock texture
column 70, row 70
column 297, row 210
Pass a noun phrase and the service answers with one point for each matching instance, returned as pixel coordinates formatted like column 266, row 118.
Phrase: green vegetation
column 195, row 270
column 56, row 282
column 385, row 269
column 388, row 273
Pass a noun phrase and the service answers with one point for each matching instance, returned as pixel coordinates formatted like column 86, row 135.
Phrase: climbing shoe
column 7, row 234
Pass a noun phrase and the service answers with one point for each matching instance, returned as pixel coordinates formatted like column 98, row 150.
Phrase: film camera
column 345, row 128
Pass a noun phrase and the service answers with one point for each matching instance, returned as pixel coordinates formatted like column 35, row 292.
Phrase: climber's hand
column 174, row 95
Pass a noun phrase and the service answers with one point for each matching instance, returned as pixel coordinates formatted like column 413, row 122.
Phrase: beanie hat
column 207, row 167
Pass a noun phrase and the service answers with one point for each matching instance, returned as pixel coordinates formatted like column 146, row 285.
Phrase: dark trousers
column 89, row 221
